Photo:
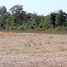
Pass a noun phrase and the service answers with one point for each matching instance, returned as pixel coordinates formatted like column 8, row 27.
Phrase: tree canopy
column 17, row 19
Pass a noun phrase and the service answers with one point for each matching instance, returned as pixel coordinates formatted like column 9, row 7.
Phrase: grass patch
column 40, row 43
column 35, row 44
column 28, row 45
column 51, row 37
column 48, row 42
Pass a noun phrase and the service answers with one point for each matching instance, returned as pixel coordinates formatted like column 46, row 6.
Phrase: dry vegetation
column 33, row 50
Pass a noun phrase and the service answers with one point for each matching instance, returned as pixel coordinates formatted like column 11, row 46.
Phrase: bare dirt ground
column 33, row 50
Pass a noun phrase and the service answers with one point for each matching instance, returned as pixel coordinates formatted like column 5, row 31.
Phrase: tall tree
column 60, row 18
column 16, row 11
column 3, row 10
column 3, row 16
column 52, row 18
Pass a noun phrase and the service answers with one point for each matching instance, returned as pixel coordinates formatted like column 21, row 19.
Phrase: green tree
column 48, row 22
column 9, row 21
column 3, row 10
column 16, row 11
column 60, row 18
column 52, row 18
column 3, row 16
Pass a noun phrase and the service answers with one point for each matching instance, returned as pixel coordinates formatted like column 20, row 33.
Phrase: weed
column 40, row 43
column 48, row 42
column 27, row 45
column 35, row 44
column 51, row 37
column 14, row 35
column 39, row 39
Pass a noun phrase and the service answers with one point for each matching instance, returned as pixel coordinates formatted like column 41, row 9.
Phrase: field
column 33, row 50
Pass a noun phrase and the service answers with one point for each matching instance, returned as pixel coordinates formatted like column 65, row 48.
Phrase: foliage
column 18, row 19
column 60, row 18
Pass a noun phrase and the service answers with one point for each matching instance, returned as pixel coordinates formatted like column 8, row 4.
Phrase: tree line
column 18, row 19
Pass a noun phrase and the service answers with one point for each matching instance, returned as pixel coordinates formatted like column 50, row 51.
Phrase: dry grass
column 33, row 50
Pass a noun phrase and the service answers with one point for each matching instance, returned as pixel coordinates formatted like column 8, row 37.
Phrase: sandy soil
column 33, row 50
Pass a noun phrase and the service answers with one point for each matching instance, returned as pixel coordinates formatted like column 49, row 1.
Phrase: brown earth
column 33, row 50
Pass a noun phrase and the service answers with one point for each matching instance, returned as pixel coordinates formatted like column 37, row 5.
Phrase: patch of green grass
column 51, row 37
column 14, row 35
column 40, row 43
column 28, row 45
column 48, row 42
column 35, row 44
column 25, row 45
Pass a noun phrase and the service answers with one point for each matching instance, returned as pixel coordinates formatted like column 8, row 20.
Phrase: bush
column 59, row 28
column 20, row 28
column 65, row 28
column 1, row 28
column 12, row 28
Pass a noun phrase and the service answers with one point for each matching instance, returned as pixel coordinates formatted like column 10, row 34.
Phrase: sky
column 40, row 7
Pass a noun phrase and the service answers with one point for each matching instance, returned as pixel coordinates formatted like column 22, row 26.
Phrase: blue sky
column 41, row 7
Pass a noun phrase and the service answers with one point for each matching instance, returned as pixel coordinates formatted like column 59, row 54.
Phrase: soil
column 33, row 50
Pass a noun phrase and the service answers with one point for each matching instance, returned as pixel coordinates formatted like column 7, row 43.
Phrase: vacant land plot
column 33, row 50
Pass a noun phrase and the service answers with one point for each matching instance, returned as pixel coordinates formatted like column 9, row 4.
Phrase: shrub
column 20, row 28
